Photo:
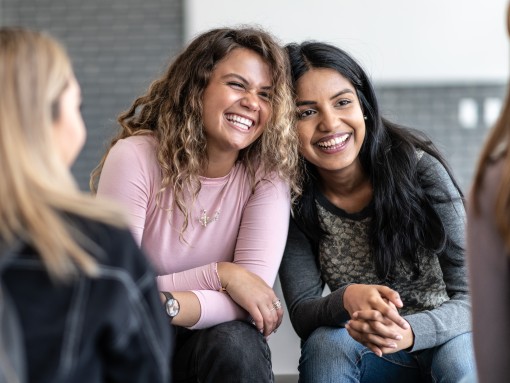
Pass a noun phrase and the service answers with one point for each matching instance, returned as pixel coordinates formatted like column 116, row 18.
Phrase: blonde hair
column 497, row 146
column 37, row 191
column 171, row 110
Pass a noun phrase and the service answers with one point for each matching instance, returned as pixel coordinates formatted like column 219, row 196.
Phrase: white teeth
column 243, row 123
column 333, row 141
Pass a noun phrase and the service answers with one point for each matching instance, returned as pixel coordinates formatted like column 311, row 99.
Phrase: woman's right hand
column 253, row 294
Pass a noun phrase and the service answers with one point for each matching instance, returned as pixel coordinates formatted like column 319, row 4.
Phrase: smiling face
column 331, row 125
column 69, row 128
column 236, row 103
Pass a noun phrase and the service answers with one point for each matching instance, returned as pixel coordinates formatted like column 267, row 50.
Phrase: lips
column 241, row 122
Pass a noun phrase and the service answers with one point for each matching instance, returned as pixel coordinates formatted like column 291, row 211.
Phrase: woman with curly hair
column 381, row 221
column 203, row 164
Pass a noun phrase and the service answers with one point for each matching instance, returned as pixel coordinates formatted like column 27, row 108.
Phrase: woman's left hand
column 380, row 335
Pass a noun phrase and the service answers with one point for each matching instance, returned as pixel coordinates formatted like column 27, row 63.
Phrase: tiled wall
column 117, row 47
column 456, row 117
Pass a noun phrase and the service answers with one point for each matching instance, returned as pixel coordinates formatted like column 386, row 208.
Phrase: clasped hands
column 253, row 294
column 375, row 321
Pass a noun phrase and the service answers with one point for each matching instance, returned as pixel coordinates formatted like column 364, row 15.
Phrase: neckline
column 332, row 208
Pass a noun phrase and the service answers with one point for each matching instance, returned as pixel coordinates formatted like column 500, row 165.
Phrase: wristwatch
column 171, row 305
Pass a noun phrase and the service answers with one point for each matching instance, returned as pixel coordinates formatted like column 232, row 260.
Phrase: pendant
column 205, row 219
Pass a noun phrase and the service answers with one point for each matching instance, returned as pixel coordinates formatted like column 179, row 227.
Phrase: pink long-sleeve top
column 251, row 230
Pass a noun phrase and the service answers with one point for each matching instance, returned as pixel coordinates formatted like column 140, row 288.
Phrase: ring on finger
column 277, row 305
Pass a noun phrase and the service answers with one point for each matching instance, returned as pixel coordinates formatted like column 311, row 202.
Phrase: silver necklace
column 204, row 219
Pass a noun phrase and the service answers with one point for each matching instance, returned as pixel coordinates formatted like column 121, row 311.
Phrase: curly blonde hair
column 171, row 110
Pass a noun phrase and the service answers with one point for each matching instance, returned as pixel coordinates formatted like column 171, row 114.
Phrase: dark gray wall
column 434, row 109
column 117, row 46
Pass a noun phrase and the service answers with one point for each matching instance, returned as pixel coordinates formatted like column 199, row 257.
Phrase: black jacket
column 106, row 329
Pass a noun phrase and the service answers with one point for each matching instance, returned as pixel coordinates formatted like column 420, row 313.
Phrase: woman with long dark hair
column 381, row 222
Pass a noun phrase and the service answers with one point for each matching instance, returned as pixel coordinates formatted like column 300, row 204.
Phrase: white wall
column 395, row 40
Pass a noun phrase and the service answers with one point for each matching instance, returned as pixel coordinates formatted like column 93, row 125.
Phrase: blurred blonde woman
column 203, row 163
column 85, row 296
column 488, row 251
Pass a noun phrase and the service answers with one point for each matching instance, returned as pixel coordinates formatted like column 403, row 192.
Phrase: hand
column 253, row 294
column 380, row 335
column 358, row 297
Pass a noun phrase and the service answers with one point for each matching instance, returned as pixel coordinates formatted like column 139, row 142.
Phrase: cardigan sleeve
column 435, row 327
column 302, row 287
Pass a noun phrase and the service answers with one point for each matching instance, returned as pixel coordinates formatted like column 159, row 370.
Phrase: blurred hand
column 358, row 297
column 253, row 294
column 379, row 334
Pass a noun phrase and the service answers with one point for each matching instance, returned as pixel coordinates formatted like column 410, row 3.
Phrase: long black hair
column 404, row 218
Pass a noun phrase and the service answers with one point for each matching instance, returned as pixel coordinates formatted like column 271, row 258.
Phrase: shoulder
column 130, row 154
column 263, row 180
column 430, row 166
column 111, row 246
column 137, row 145
column 436, row 181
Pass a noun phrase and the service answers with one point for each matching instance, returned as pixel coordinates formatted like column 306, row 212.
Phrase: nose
column 329, row 120
column 251, row 101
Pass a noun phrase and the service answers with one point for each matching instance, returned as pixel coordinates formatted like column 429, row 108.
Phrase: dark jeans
column 231, row 352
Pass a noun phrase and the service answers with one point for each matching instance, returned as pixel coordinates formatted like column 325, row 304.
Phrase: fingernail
column 398, row 337
column 392, row 345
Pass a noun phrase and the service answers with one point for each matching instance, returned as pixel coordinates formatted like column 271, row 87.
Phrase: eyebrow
column 242, row 79
column 306, row 102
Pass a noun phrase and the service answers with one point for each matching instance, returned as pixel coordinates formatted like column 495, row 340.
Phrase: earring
column 365, row 117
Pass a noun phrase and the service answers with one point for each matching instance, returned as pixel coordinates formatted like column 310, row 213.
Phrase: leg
column 451, row 361
column 231, row 352
column 331, row 355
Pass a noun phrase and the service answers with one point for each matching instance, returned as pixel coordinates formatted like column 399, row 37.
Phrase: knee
column 454, row 359
column 330, row 342
column 238, row 344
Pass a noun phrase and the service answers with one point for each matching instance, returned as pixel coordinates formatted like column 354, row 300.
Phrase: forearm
column 189, row 308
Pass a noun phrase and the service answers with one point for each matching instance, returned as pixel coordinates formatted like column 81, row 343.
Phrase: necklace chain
column 204, row 219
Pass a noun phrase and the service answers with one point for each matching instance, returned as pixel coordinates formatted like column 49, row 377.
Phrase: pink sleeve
column 124, row 178
column 263, row 232
column 260, row 244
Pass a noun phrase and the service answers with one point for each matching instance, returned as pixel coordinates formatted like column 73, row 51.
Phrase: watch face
column 172, row 307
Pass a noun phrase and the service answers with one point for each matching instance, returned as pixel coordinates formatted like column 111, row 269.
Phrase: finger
column 375, row 327
column 270, row 315
column 279, row 321
column 366, row 338
column 374, row 316
column 278, row 311
column 391, row 295
column 395, row 317
column 382, row 314
column 257, row 319
column 358, row 337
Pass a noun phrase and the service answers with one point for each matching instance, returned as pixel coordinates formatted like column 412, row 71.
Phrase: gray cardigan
column 436, row 305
